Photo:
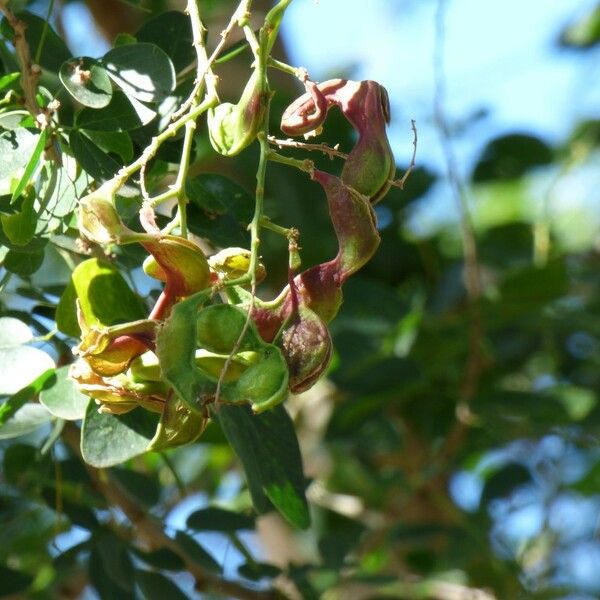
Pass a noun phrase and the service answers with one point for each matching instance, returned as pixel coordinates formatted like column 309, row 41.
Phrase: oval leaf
column 20, row 365
column 87, row 81
column 13, row 332
column 268, row 448
column 107, row 440
column 119, row 115
column 27, row 419
column 62, row 398
column 141, row 70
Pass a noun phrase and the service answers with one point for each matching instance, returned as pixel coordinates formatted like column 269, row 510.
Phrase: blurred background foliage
column 453, row 448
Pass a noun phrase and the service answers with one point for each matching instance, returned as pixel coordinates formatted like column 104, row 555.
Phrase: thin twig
column 330, row 151
column 152, row 533
column 240, row 15
column 30, row 73
column 475, row 357
column 400, row 182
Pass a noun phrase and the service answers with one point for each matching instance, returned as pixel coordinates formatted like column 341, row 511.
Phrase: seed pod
column 232, row 263
column 370, row 165
column 233, row 127
column 179, row 263
column 306, row 346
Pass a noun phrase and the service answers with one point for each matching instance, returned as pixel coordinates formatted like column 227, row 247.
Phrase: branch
column 475, row 358
column 30, row 73
column 331, row 152
column 152, row 532
column 400, row 182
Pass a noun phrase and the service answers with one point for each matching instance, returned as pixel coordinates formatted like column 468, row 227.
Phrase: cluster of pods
column 118, row 364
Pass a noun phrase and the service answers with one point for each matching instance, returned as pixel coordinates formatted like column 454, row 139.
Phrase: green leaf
column 21, row 365
column 9, row 79
column 162, row 558
column 219, row 209
column 219, row 519
column 18, row 459
column 62, row 398
column 20, row 226
column 195, row 552
column 13, row 332
column 119, row 115
column 24, row 395
column 31, row 165
column 93, row 160
column 27, row 419
column 104, row 296
column 155, row 586
column 584, row 33
column 144, row 488
column 16, row 146
column 116, row 559
column 13, row 582
column 141, row 70
column 112, row 141
column 87, row 81
column 23, row 263
column 55, row 50
column 262, row 382
column 66, row 312
column 107, row 440
column 102, row 583
column 172, row 32
column 267, row 446
column 502, row 482
column 258, row 570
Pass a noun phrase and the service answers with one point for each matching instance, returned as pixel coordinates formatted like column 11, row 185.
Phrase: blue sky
column 499, row 55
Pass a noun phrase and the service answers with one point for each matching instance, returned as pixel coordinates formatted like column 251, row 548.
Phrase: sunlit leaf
column 87, row 81
column 267, row 446
column 141, row 70
column 62, row 398
column 108, row 440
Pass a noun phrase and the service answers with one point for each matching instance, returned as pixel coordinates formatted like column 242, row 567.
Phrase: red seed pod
column 306, row 345
column 370, row 165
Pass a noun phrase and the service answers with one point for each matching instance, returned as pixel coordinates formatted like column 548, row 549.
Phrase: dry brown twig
column 413, row 161
column 330, row 151
column 334, row 151
column 30, row 73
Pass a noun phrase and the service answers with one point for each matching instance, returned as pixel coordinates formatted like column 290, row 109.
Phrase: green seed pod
column 233, row 127
column 232, row 263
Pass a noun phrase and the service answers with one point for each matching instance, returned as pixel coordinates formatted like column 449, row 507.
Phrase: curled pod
column 370, row 166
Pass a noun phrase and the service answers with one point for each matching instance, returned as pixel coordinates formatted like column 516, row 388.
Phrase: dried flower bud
column 98, row 218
